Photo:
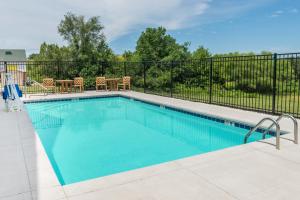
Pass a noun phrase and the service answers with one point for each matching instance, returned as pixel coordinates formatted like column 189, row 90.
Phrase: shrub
column 245, row 86
column 263, row 87
column 229, row 85
column 89, row 74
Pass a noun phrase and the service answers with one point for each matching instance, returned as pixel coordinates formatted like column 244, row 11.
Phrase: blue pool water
column 90, row 138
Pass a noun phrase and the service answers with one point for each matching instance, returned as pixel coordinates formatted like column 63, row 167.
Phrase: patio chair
column 125, row 82
column 101, row 82
column 78, row 83
column 48, row 84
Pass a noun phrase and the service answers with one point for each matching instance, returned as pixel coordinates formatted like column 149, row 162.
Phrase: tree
column 85, row 37
column 52, row 52
column 155, row 44
column 57, row 67
column 178, row 52
column 201, row 53
column 127, row 55
column 157, row 50
column 87, row 44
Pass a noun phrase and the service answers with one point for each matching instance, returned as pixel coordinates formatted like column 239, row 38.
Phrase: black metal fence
column 264, row 83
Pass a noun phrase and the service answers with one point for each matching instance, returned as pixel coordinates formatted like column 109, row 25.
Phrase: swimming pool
column 90, row 138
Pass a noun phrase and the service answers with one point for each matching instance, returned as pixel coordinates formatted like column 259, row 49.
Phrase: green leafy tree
column 52, row 52
column 87, row 44
column 128, row 55
column 155, row 44
column 201, row 53
column 158, row 51
column 51, row 61
column 85, row 37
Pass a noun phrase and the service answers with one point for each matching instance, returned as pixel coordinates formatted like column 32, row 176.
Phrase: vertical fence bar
column 102, row 69
column 125, row 69
column 57, row 70
column 5, row 67
column 274, row 83
column 171, row 77
column 210, row 80
column 298, row 84
column 144, row 74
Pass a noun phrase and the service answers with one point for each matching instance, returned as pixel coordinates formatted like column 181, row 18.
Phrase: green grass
column 286, row 103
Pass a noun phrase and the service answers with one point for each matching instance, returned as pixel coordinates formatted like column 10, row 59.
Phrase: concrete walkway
column 252, row 171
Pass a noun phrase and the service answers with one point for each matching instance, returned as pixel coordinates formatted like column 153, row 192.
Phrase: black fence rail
column 264, row 83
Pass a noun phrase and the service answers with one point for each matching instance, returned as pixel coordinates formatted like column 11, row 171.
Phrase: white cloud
column 277, row 13
column 26, row 24
column 120, row 17
column 282, row 12
column 294, row 10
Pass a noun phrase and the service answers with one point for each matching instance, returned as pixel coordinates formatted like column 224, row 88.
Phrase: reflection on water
column 184, row 127
column 48, row 116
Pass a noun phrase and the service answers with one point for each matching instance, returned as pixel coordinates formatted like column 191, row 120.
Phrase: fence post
column 274, row 83
column 144, row 74
column 102, row 68
column 210, row 79
column 125, row 70
column 58, row 69
column 171, row 77
column 5, row 66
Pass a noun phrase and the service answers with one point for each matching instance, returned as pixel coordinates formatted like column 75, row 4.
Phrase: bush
column 157, row 78
column 261, row 86
column 229, row 85
column 89, row 74
column 264, row 87
column 245, row 86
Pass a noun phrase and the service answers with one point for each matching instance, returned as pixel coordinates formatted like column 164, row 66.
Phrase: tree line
column 160, row 57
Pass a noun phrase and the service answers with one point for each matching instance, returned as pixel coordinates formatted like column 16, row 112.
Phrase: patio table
column 65, row 85
column 113, row 83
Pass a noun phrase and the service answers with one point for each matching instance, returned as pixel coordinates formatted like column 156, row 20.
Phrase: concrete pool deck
column 252, row 171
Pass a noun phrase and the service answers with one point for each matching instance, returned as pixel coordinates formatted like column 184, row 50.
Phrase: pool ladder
column 274, row 123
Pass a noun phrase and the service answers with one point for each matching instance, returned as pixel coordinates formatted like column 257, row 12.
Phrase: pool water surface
column 91, row 138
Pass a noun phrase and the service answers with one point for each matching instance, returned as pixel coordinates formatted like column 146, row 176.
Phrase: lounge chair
column 101, row 82
column 48, row 84
column 125, row 82
column 78, row 83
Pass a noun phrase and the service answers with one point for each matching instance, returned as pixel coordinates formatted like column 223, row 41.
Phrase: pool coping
column 46, row 187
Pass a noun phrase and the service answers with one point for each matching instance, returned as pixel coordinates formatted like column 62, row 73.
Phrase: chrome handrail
column 258, row 125
column 295, row 126
column 35, row 82
column 41, row 86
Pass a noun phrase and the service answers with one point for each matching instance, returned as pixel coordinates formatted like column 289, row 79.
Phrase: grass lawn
column 284, row 103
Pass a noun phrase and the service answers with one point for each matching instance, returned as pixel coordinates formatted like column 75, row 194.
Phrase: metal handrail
column 41, row 86
column 258, row 125
column 295, row 126
column 35, row 82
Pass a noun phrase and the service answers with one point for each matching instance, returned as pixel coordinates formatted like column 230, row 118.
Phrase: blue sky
column 220, row 25
column 271, row 25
